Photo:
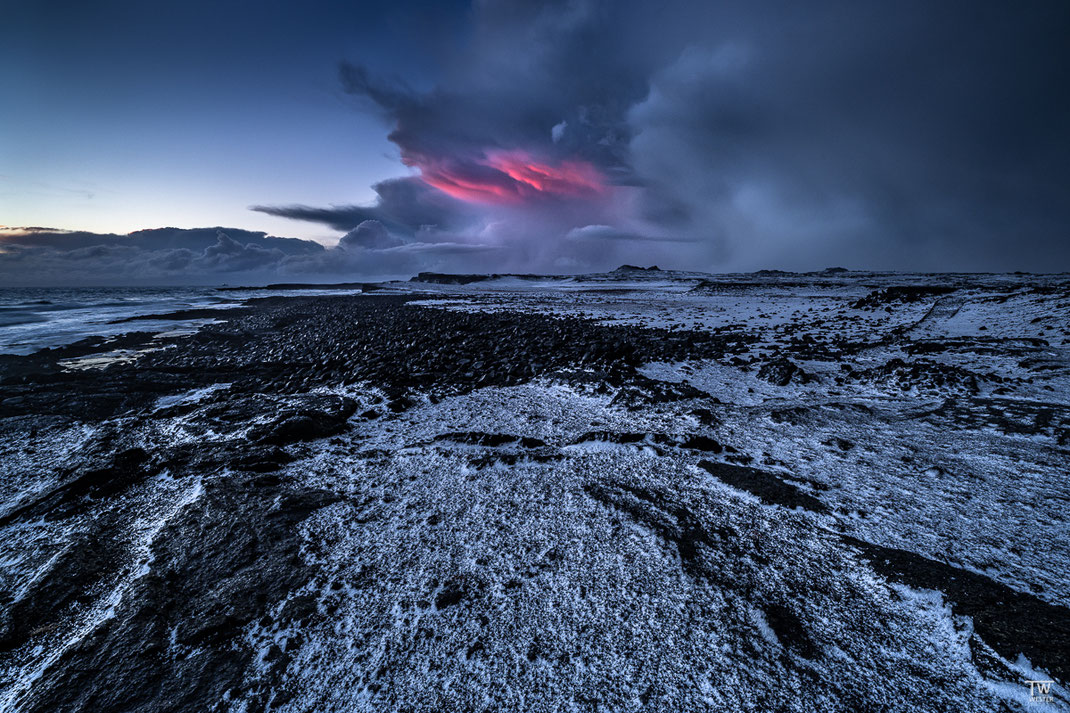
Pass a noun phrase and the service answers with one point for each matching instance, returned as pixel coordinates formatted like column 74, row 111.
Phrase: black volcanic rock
column 441, row 278
column 291, row 345
column 783, row 371
column 900, row 294
column 766, row 486
column 920, row 374
column 99, row 475
column 1010, row 621
column 65, row 582
column 312, row 417
column 174, row 640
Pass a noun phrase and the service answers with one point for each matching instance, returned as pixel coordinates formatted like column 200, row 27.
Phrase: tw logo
column 1040, row 692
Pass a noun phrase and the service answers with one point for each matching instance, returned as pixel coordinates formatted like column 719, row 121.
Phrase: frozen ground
column 632, row 491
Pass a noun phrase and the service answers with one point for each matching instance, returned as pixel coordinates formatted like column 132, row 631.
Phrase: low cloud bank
column 36, row 257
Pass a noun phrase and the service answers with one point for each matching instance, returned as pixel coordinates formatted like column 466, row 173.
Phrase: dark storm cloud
column 771, row 134
column 528, row 71
column 904, row 137
column 404, row 206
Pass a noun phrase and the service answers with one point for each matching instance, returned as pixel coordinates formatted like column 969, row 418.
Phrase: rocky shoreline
column 201, row 526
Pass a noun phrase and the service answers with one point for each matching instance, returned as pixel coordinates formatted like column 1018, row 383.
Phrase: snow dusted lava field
column 635, row 491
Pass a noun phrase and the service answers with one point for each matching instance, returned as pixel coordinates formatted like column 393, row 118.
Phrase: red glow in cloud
column 510, row 177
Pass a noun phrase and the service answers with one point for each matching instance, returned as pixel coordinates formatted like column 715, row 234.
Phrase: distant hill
column 634, row 268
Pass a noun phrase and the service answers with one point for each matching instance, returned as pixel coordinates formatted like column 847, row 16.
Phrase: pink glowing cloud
column 510, row 177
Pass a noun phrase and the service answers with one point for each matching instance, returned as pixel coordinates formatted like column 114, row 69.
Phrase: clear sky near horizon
column 120, row 116
column 530, row 136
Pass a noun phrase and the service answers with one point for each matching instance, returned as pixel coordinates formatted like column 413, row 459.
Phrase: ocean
column 35, row 318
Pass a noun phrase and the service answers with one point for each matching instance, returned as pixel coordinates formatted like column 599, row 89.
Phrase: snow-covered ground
column 462, row 577
column 864, row 507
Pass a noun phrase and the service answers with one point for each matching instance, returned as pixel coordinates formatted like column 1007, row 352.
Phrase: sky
column 177, row 143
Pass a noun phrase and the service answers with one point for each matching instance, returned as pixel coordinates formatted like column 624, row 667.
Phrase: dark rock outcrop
column 783, row 371
column 1009, row 621
column 766, row 486
column 173, row 643
column 900, row 294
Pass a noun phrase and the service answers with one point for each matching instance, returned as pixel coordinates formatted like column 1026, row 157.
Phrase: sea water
column 35, row 318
